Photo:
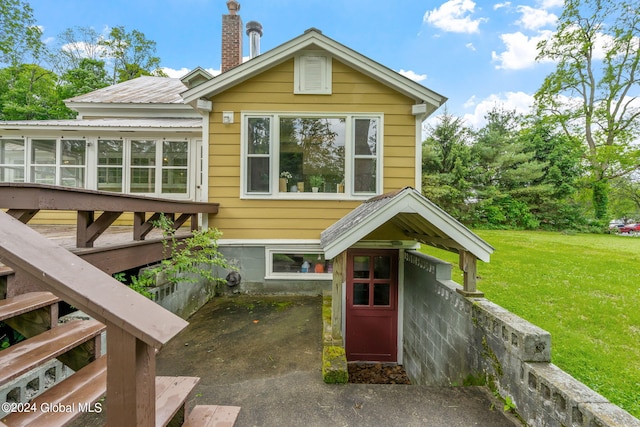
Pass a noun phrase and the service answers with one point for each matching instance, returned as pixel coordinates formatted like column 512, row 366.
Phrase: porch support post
column 131, row 380
column 468, row 264
column 339, row 277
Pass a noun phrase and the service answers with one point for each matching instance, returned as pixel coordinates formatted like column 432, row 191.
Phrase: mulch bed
column 377, row 373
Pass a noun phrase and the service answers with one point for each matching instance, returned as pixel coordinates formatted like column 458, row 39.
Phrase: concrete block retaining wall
column 33, row 383
column 452, row 340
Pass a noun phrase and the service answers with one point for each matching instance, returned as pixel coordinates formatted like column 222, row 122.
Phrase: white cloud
column 454, row 16
column 550, row 4
column 501, row 5
column 413, row 75
column 519, row 101
column 533, row 19
column 470, row 46
column 521, row 50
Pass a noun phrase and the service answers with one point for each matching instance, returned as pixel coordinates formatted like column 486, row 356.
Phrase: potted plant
column 285, row 176
column 315, row 181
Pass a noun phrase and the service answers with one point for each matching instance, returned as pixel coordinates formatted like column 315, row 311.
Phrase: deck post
column 131, row 367
column 468, row 264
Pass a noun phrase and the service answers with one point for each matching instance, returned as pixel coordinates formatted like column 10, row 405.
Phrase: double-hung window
column 294, row 156
column 44, row 161
column 143, row 166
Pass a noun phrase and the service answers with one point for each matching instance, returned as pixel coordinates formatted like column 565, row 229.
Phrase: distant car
column 615, row 224
column 629, row 228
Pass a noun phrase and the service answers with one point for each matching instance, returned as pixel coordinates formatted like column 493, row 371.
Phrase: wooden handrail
column 85, row 286
column 97, row 210
column 27, row 196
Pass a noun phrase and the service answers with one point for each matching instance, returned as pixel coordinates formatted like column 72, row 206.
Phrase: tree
column 592, row 92
column 28, row 92
column 505, row 177
column 133, row 55
column 561, row 156
column 445, row 164
column 77, row 44
column 89, row 75
column 19, row 35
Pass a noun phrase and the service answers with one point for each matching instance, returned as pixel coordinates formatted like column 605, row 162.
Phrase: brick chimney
column 231, row 37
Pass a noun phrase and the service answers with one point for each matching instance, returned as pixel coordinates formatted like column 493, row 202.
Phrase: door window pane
column 361, row 267
column 381, row 294
column 382, row 267
column 360, row 294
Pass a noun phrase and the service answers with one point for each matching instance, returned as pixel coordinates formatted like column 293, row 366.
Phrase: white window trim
column 274, row 193
column 300, row 68
column 127, row 167
column 297, row 249
column 58, row 167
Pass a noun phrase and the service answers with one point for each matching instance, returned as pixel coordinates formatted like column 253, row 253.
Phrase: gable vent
column 313, row 74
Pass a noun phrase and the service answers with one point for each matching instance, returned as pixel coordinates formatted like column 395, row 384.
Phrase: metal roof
column 96, row 124
column 413, row 214
column 141, row 90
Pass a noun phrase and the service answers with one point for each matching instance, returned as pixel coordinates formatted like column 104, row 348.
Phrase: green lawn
column 584, row 289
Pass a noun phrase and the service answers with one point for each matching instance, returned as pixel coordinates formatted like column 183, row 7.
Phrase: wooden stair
column 88, row 385
column 136, row 329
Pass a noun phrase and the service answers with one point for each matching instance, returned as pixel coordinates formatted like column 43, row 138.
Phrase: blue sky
column 477, row 54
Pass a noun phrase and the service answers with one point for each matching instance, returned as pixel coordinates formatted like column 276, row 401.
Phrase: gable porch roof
column 314, row 39
column 412, row 213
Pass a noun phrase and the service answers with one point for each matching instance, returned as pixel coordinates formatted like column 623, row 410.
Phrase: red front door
column 372, row 305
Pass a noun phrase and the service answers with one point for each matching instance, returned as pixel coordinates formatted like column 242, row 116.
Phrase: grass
column 584, row 289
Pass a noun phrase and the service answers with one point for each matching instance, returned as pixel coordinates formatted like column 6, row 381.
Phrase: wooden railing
column 97, row 210
column 136, row 326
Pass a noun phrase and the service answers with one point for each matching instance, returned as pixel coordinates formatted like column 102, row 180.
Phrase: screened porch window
column 143, row 166
column 295, row 156
column 12, row 158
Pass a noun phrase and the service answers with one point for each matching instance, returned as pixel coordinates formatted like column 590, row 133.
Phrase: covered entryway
column 372, row 305
column 396, row 221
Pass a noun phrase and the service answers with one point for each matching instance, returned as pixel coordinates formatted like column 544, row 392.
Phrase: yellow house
column 311, row 150
column 287, row 143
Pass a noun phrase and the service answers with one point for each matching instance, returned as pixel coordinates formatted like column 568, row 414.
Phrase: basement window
column 299, row 263
column 312, row 74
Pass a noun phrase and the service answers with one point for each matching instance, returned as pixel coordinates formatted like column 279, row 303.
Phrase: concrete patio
column 264, row 354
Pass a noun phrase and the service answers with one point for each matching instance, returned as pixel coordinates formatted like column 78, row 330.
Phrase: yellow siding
column 272, row 91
